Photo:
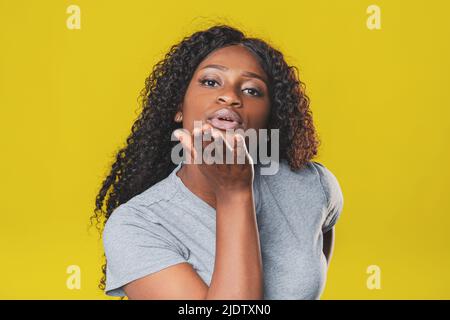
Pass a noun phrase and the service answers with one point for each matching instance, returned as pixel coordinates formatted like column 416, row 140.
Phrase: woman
column 218, row 231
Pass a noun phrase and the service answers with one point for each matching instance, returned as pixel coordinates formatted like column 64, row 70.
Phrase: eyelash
column 258, row 93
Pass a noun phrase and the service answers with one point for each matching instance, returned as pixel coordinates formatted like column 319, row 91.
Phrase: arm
column 238, row 270
column 328, row 244
column 177, row 282
column 238, row 265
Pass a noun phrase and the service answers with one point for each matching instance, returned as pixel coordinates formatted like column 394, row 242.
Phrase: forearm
column 238, row 272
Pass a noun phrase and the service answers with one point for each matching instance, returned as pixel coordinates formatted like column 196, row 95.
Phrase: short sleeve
column 136, row 247
column 333, row 195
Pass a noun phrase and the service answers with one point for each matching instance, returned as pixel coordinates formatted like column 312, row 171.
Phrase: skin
column 228, row 77
column 227, row 88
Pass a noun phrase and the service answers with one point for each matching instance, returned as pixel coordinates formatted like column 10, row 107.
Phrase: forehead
column 234, row 57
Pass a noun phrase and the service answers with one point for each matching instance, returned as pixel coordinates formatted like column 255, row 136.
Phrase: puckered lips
column 224, row 119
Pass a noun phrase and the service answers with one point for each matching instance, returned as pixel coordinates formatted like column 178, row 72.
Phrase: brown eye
column 208, row 82
column 254, row 92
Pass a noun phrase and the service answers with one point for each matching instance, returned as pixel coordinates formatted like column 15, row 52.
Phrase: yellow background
column 380, row 100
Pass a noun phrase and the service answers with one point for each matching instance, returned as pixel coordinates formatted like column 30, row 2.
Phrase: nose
column 229, row 99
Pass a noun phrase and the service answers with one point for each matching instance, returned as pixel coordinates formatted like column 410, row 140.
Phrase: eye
column 254, row 92
column 208, row 82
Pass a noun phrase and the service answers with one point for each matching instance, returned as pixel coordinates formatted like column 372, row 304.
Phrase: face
column 229, row 78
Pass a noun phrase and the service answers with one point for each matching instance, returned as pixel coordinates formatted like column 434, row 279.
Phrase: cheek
column 258, row 116
column 194, row 104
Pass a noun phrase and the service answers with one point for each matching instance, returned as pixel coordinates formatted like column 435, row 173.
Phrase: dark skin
column 229, row 87
column 241, row 86
column 229, row 77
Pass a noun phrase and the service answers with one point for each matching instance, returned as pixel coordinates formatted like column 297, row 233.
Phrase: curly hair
column 145, row 158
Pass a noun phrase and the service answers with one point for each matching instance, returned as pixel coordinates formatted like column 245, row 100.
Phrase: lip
column 233, row 119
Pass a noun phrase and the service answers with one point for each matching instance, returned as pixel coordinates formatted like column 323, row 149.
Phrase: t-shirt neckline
column 200, row 202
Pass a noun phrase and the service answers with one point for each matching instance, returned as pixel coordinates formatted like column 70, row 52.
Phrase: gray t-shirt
column 168, row 224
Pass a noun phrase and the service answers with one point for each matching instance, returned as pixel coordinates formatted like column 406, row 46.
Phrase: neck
column 197, row 183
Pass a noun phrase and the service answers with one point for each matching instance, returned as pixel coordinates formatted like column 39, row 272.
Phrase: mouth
column 224, row 119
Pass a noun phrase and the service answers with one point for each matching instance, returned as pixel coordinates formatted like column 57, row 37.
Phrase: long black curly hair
column 145, row 158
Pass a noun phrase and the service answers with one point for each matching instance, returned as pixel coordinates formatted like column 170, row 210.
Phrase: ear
column 178, row 117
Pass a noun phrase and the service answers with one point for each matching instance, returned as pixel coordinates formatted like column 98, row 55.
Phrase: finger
column 228, row 139
column 239, row 150
column 242, row 151
column 226, row 147
column 206, row 127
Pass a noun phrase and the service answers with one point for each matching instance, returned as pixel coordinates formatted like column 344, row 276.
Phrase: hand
column 225, row 178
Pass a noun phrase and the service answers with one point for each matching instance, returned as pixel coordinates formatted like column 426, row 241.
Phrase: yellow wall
column 380, row 100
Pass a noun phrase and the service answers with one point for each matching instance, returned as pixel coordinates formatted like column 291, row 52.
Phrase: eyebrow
column 245, row 73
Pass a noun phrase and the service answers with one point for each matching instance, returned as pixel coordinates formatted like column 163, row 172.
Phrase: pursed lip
column 226, row 113
column 225, row 119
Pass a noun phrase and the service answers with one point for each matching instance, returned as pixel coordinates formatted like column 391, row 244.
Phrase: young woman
column 219, row 231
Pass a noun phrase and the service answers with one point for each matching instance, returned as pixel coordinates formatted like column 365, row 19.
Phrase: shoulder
column 129, row 222
column 333, row 195
column 144, row 206
column 122, row 216
column 307, row 176
column 329, row 183
column 314, row 184
column 136, row 246
column 292, row 186
column 312, row 173
column 164, row 191
column 140, row 217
